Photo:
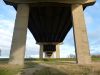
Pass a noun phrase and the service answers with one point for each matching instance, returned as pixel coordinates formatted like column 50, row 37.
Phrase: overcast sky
column 7, row 19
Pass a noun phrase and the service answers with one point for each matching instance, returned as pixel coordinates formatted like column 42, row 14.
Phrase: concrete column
column 80, row 35
column 41, row 52
column 46, row 55
column 19, row 36
column 57, row 51
column 52, row 55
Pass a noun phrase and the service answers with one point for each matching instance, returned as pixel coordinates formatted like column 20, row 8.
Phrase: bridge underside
column 49, row 22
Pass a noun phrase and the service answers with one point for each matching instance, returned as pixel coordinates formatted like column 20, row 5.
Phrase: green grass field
column 53, row 68
column 5, row 60
column 9, row 69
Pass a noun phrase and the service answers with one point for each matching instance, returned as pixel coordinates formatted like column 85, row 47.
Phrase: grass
column 9, row 69
column 53, row 71
column 5, row 60
column 51, row 67
column 50, row 59
column 59, row 68
column 96, row 58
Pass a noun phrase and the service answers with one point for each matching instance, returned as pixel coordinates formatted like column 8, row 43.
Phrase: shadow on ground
column 34, row 68
column 41, row 69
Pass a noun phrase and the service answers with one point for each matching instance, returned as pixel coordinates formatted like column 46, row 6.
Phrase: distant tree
column 72, row 56
column 96, row 56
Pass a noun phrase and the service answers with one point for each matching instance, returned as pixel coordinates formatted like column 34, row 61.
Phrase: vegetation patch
column 9, row 69
column 51, row 67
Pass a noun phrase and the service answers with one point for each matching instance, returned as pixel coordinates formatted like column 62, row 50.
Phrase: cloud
column 6, row 31
column 88, row 19
column 94, row 40
column 32, row 49
column 6, row 24
column 92, row 15
column 7, row 11
column 94, row 35
column 66, row 50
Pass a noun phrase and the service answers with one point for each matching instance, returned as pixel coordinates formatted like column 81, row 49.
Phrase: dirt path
column 30, row 71
column 62, row 69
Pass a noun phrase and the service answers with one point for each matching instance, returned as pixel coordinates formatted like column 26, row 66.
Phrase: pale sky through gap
column 7, row 19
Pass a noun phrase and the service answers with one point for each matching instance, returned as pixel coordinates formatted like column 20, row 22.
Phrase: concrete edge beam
column 87, row 2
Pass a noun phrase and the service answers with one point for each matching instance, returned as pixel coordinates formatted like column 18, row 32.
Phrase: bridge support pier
column 80, row 35
column 57, row 51
column 41, row 52
column 19, row 36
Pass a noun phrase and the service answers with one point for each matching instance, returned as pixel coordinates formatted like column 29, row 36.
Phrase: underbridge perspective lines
column 49, row 21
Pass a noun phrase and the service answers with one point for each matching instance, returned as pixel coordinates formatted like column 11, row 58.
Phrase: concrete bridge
column 49, row 21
